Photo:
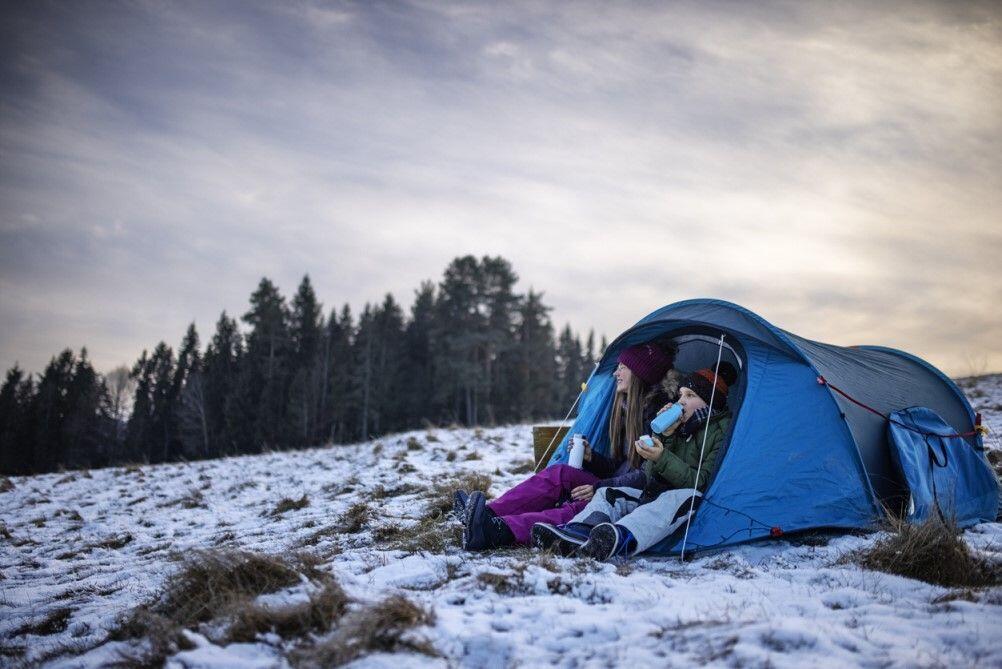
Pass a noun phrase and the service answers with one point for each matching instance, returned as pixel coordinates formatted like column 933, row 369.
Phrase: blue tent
column 799, row 454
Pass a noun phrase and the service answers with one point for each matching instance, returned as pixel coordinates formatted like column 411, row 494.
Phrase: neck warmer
column 696, row 421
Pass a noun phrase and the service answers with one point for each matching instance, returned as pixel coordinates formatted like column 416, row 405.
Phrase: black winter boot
column 483, row 529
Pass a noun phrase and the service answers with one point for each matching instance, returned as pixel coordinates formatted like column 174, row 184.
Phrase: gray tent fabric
column 888, row 381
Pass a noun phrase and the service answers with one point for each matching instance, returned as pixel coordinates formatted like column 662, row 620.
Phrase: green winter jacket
column 677, row 465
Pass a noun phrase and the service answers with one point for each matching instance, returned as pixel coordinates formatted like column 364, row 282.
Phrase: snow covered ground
column 79, row 550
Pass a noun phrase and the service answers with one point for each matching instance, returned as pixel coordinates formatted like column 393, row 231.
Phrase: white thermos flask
column 576, row 458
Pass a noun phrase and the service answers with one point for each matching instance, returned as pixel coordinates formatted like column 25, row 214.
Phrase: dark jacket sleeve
column 635, row 478
column 600, row 466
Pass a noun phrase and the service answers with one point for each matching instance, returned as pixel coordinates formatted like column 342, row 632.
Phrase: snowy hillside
column 80, row 551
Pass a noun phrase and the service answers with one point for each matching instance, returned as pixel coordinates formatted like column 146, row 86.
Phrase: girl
column 645, row 382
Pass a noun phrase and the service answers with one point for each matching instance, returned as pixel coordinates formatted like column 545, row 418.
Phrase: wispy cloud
column 834, row 167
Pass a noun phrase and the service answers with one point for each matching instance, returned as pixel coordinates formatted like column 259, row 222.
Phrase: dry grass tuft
column 525, row 467
column 53, row 622
column 209, row 581
column 289, row 504
column 6, row 485
column 317, row 614
column 193, row 500
column 932, row 551
column 429, row 534
column 413, row 444
column 113, row 542
column 440, row 496
column 380, row 627
column 382, row 492
column 355, row 518
column 210, row 584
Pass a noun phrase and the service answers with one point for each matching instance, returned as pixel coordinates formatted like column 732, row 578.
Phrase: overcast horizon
column 835, row 168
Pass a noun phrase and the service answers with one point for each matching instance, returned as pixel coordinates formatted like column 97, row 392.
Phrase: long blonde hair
column 627, row 422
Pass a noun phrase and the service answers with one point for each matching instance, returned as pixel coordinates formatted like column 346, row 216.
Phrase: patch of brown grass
column 440, row 496
column 382, row 492
column 932, row 551
column 289, row 504
column 355, row 518
column 524, row 467
column 193, row 500
column 428, row 534
column 53, row 622
column 318, row 614
column 6, row 485
column 113, row 542
column 210, row 584
column 380, row 627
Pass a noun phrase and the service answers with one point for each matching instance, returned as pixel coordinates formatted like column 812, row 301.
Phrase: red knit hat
column 647, row 361
column 701, row 382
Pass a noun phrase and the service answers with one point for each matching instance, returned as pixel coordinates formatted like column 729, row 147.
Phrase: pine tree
column 341, row 396
column 221, row 372
column 306, row 376
column 388, row 358
column 501, row 305
column 570, row 367
column 536, row 359
column 139, row 430
column 50, row 410
column 188, row 426
column 418, row 382
column 261, row 397
column 457, row 333
column 16, row 453
column 162, row 425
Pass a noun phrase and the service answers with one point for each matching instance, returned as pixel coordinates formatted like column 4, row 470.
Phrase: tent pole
column 702, row 447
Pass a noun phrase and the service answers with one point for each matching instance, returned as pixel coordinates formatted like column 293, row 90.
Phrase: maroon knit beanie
column 647, row 361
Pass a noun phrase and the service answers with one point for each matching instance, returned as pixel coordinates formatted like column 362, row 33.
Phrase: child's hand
column 649, row 452
column 583, row 492
column 665, row 408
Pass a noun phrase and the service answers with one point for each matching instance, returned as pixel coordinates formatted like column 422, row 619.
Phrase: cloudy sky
column 835, row 167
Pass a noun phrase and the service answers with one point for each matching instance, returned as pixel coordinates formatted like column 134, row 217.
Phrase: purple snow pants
column 543, row 498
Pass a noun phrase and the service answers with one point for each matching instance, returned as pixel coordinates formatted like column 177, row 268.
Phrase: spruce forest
column 471, row 351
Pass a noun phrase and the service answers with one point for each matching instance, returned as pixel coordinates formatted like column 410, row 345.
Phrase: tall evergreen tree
column 458, row 328
column 341, row 398
column 16, row 452
column 187, row 425
column 262, row 393
column 219, row 382
column 570, row 367
column 139, row 430
column 306, row 375
column 50, row 410
column 497, row 355
column 536, row 367
column 417, row 384
column 164, row 403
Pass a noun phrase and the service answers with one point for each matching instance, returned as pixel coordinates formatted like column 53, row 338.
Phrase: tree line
column 471, row 351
